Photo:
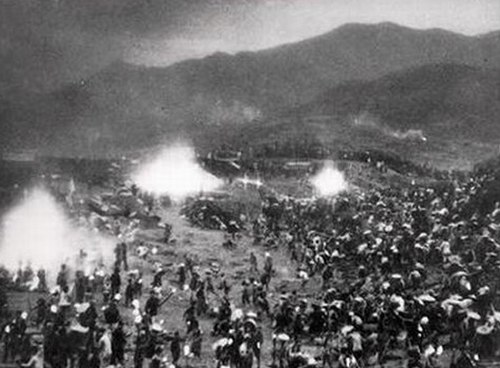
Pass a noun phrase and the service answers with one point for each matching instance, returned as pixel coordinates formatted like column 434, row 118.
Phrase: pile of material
column 124, row 202
column 205, row 213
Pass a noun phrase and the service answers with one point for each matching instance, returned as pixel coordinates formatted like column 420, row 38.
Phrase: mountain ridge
column 418, row 97
column 128, row 105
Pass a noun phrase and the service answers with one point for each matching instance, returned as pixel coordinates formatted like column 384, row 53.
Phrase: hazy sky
column 44, row 43
column 252, row 25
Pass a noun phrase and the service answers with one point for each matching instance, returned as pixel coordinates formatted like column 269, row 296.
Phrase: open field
column 205, row 246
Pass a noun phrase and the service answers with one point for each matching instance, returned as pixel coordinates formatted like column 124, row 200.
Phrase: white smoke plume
column 174, row 172
column 235, row 112
column 411, row 134
column 364, row 120
column 329, row 181
column 37, row 232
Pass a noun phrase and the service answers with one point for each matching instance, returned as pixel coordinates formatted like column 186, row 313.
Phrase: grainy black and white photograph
column 249, row 183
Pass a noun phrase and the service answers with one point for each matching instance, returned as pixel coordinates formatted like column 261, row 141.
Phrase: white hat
column 237, row 314
column 220, row 343
column 82, row 308
column 283, row 337
column 251, row 314
column 346, row 329
column 156, row 327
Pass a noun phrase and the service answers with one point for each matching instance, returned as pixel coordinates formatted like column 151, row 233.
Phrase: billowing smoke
column 235, row 112
column 364, row 120
column 37, row 232
column 329, row 181
column 174, row 172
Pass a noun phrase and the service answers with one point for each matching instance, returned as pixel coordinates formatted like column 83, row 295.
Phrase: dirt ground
column 206, row 247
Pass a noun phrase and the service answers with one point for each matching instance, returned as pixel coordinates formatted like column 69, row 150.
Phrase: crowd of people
column 414, row 270
column 408, row 273
column 110, row 316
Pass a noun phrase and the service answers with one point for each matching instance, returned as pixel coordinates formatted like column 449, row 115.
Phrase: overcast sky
column 44, row 43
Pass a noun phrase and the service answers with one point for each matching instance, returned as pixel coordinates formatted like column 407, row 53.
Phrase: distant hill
column 126, row 106
column 455, row 99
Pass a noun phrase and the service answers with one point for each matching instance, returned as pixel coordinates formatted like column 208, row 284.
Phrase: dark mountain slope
column 130, row 106
column 433, row 97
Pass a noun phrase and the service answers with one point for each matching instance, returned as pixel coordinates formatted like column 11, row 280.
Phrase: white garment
column 105, row 345
column 64, row 300
column 36, row 361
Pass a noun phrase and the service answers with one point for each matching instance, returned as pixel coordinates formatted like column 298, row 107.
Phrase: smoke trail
column 411, row 134
column 364, row 120
column 174, row 172
column 37, row 232
column 329, row 181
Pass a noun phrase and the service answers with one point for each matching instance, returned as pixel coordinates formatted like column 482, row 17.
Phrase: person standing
column 80, row 287
column 253, row 263
column 141, row 343
column 111, row 313
column 115, row 282
column 129, row 292
column 182, row 274
column 118, row 342
column 196, row 343
column 168, row 233
column 175, row 348
column 62, row 277
column 152, row 305
column 268, row 264
column 124, row 255
column 42, row 285
column 245, row 293
column 64, row 302
column 105, row 349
